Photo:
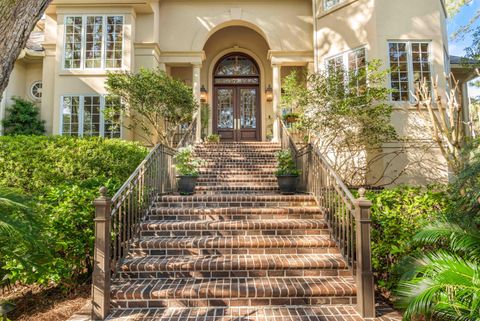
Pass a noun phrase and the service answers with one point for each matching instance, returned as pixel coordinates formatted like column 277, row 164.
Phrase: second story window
column 409, row 65
column 93, row 42
column 328, row 4
column 348, row 67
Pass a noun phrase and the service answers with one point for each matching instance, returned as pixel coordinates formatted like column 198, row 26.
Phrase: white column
column 196, row 93
column 277, row 95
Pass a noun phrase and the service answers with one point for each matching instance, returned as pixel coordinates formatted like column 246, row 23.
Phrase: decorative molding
column 334, row 9
column 290, row 57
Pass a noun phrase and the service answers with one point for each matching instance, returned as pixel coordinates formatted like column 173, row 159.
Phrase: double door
column 236, row 113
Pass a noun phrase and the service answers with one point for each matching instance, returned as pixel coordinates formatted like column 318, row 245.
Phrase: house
column 233, row 53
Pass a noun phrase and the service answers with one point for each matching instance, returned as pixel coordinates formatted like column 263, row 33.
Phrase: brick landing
column 316, row 313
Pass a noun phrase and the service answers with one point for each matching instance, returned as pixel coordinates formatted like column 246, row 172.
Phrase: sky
column 456, row 47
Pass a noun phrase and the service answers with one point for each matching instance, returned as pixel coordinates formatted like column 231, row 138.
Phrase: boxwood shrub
column 63, row 176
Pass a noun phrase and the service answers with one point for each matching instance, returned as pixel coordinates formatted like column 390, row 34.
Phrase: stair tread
column 237, row 210
column 234, row 262
column 258, row 224
column 236, row 197
column 224, row 242
column 188, row 288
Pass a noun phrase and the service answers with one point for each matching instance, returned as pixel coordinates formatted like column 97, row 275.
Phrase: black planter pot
column 287, row 184
column 186, row 184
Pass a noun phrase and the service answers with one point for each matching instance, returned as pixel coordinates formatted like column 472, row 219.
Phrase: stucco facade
column 189, row 38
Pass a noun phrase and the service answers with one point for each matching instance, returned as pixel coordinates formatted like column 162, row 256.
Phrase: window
column 410, row 65
column 347, row 64
column 93, row 42
column 85, row 116
column 328, row 4
column 36, row 90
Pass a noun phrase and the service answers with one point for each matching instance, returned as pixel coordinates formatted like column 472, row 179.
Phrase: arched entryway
column 236, row 98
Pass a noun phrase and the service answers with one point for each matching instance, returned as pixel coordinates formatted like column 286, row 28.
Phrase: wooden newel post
column 101, row 269
column 365, row 285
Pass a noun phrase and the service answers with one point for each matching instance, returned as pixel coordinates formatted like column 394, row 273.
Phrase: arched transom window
column 236, row 69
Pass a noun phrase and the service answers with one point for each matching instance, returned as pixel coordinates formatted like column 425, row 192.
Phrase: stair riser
column 249, row 251
column 265, row 191
column 233, row 204
column 234, row 274
column 234, row 217
column 129, row 304
column 234, row 233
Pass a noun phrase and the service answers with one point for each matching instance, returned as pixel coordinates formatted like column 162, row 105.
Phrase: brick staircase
column 236, row 250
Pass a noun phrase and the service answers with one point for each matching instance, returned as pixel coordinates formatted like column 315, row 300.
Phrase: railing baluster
column 347, row 217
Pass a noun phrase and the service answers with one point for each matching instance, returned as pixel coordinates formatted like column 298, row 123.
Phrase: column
column 277, row 95
column 196, row 93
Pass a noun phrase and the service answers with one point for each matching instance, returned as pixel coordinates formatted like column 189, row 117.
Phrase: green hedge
column 397, row 215
column 63, row 176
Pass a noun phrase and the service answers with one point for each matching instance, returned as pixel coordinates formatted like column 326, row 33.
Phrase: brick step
column 235, row 200
column 273, row 184
column 234, row 266
column 243, row 189
column 236, row 179
column 234, row 227
column 238, row 165
column 214, row 245
column 154, row 293
column 235, row 154
column 230, row 172
column 234, row 213
column 257, row 313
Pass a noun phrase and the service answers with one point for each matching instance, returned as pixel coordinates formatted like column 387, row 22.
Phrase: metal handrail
column 333, row 196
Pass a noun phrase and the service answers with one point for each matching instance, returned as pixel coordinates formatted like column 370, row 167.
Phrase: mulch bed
column 35, row 303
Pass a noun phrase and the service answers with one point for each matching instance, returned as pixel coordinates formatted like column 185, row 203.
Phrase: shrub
column 397, row 215
column 214, row 138
column 23, row 118
column 63, row 176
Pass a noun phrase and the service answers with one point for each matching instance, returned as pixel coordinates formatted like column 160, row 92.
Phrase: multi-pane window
column 327, row 4
column 409, row 65
column 93, row 42
column 85, row 116
column 348, row 65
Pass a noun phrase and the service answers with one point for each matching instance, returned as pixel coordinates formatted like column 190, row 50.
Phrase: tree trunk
column 17, row 20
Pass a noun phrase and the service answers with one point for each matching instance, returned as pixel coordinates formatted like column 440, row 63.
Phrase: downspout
column 315, row 49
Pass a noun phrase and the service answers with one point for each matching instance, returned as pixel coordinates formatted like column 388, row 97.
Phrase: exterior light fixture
column 203, row 94
column 269, row 93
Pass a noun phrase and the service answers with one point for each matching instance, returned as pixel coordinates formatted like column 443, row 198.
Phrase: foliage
column 464, row 192
column 397, row 215
column 23, row 249
column 154, row 102
column 205, row 118
column 185, row 162
column 345, row 117
column 443, row 284
column 286, row 164
column 214, row 138
column 63, row 175
column 23, row 118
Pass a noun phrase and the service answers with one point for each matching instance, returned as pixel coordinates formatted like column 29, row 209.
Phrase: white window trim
column 344, row 56
column 84, row 46
column 411, row 82
column 31, row 90
column 81, row 112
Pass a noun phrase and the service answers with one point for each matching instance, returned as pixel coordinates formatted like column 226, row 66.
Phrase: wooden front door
column 237, row 113
column 236, row 105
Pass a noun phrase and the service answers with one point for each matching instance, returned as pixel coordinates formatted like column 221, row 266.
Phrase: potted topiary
column 187, row 167
column 287, row 172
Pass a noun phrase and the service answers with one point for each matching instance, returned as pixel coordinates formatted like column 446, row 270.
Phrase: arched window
column 236, row 69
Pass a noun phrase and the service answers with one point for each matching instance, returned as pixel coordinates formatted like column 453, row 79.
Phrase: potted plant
column 291, row 118
column 287, row 172
column 187, row 167
column 214, row 139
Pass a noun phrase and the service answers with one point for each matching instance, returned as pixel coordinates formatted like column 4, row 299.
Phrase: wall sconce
column 203, row 94
column 269, row 93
